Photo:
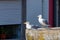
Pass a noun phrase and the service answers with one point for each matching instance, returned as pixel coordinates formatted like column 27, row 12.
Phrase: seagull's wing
column 45, row 21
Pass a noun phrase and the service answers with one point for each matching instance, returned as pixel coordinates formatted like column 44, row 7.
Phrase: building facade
column 18, row 11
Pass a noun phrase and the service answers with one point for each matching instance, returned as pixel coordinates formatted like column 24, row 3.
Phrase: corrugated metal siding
column 46, row 9
column 10, row 12
column 34, row 8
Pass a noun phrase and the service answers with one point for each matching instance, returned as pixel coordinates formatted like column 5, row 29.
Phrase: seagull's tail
column 48, row 25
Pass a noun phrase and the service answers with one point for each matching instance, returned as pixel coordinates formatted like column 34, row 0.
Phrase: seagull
column 28, row 26
column 42, row 21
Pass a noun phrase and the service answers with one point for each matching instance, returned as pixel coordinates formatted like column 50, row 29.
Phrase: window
column 10, row 31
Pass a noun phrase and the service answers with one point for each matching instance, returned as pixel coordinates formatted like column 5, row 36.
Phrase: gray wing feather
column 45, row 21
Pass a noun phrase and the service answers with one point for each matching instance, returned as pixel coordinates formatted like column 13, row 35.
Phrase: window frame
column 23, row 26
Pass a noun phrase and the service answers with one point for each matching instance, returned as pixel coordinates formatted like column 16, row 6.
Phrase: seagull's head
column 26, row 22
column 39, row 16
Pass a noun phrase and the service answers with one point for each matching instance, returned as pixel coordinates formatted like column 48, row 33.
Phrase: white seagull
column 28, row 26
column 42, row 21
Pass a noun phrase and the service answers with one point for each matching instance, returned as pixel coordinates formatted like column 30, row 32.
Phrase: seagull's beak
column 24, row 22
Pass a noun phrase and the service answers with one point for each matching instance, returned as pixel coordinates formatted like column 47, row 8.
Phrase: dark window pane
column 10, row 31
